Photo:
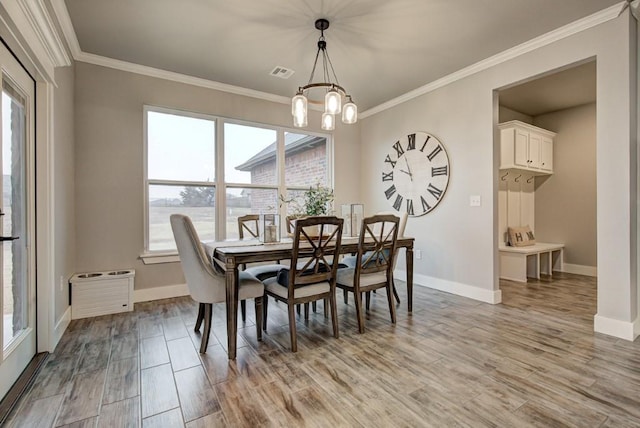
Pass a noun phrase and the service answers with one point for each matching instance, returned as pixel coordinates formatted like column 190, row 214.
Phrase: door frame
column 28, row 31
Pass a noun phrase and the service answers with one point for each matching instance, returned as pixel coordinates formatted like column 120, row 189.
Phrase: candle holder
column 269, row 228
column 352, row 215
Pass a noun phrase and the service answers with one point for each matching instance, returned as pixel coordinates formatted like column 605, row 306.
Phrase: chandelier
column 333, row 92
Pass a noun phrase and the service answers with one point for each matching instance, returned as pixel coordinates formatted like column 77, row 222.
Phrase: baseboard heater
column 101, row 293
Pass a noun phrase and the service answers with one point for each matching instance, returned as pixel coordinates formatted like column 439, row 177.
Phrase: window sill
column 158, row 257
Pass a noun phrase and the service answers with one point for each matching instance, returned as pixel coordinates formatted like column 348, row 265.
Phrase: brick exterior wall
column 304, row 168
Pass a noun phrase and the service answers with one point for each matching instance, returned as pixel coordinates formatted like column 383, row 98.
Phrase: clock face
column 415, row 173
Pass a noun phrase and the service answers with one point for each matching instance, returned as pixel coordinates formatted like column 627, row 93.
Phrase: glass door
column 16, row 221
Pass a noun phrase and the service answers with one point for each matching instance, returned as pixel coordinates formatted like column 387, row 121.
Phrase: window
column 188, row 172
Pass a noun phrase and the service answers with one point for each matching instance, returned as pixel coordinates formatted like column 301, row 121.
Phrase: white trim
column 585, row 23
column 157, row 293
column 528, row 46
column 177, row 77
column 40, row 20
column 616, row 328
column 45, row 217
column 61, row 327
column 152, row 259
column 465, row 290
column 61, row 12
column 580, row 269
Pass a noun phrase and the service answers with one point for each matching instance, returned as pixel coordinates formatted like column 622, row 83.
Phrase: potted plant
column 316, row 200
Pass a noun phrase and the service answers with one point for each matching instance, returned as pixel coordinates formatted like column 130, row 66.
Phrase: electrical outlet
column 474, row 201
column 418, row 254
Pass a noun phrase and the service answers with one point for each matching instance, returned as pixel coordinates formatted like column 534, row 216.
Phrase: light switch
column 474, row 200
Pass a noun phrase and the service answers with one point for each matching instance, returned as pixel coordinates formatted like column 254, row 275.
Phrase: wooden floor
column 531, row 361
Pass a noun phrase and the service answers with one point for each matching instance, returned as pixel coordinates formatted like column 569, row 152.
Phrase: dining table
column 233, row 254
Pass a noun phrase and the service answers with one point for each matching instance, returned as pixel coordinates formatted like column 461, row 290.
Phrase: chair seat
column 272, row 286
column 345, row 278
column 263, row 272
column 249, row 287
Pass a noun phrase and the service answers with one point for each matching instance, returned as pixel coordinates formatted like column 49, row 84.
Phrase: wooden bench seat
column 518, row 263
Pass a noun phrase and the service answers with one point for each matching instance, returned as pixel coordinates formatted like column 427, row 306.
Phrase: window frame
column 219, row 183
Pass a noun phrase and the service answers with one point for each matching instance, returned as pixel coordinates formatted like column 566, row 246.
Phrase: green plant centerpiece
column 316, row 200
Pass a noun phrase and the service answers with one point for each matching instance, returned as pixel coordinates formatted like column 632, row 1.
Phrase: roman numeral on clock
column 425, row 206
column 412, row 141
column 410, row 206
column 439, row 170
column 390, row 191
column 434, row 191
column 398, row 203
column 398, row 147
column 388, row 160
column 425, row 143
column 387, row 176
column 434, row 152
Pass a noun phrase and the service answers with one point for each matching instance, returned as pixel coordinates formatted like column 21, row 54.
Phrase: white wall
column 109, row 161
column 565, row 202
column 458, row 241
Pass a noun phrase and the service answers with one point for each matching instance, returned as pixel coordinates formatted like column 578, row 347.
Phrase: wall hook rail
column 518, row 178
column 504, row 177
column 529, row 180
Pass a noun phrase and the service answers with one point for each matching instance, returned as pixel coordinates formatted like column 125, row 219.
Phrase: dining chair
column 374, row 263
column 248, row 225
column 312, row 274
column 206, row 279
column 350, row 261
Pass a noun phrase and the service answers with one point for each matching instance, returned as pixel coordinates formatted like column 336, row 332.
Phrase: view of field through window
column 182, row 165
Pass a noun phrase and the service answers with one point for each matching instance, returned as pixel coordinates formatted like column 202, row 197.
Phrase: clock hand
column 406, row 172
column 409, row 168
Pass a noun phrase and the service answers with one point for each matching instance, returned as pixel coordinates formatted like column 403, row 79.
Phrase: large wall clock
column 415, row 173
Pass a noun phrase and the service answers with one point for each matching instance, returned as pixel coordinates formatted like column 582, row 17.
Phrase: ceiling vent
column 282, row 72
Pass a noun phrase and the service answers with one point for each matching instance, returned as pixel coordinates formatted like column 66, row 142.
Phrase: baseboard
column 580, row 269
column 465, row 290
column 157, row 293
column 616, row 328
column 61, row 327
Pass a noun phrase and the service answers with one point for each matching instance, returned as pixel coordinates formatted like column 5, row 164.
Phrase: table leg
column 409, row 257
column 232, row 310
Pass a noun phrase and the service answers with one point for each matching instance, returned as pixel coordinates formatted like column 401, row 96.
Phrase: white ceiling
column 380, row 49
column 566, row 88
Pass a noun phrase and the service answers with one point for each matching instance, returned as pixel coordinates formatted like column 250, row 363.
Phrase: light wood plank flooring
column 531, row 361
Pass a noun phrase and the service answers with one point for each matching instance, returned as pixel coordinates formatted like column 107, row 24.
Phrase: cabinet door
column 546, row 154
column 535, row 141
column 521, row 144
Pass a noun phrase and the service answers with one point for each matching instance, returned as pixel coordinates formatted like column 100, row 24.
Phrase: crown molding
column 533, row 44
column 590, row 21
column 35, row 12
column 62, row 14
column 177, row 77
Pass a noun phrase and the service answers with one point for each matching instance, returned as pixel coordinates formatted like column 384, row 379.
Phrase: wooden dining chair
column 374, row 263
column 248, row 226
column 312, row 274
column 350, row 261
column 206, row 279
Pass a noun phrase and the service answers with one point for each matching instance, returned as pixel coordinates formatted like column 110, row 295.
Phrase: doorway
column 559, row 204
column 17, row 220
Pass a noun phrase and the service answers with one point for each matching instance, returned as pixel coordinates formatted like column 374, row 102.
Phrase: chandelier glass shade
column 333, row 93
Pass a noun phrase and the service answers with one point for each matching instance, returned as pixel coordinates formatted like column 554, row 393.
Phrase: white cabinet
column 526, row 147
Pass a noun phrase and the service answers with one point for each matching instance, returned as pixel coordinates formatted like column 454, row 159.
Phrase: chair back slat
column 248, row 224
column 316, row 244
column 377, row 244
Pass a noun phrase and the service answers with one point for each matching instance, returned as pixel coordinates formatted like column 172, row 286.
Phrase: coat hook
column 504, row 177
column 518, row 178
column 529, row 180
